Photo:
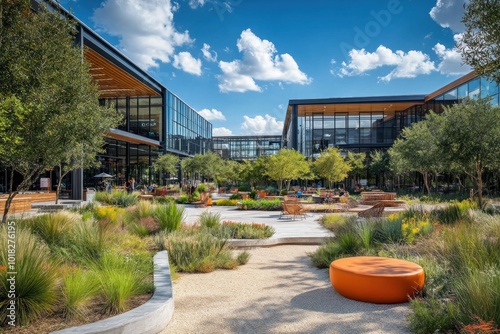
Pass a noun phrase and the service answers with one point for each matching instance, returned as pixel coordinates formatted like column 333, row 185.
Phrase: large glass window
column 474, row 88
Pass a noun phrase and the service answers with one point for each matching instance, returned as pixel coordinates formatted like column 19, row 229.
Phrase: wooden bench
column 17, row 205
column 375, row 211
column 387, row 203
column 145, row 197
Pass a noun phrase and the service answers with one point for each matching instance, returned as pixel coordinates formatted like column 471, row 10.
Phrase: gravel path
column 277, row 291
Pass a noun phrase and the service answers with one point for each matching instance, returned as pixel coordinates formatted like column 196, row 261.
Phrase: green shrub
column 365, row 230
column 253, row 194
column 202, row 188
column 477, row 294
column 234, row 230
column 169, row 217
column 145, row 209
column 225, row 202
column 194, row 197
column 432, row 315
column 163, row 200
column 243, row 258
column 209, row 219
column 283, row 192
column 35, row 281
column 54, row 228
column 139, row 229
column 271, row 190
column 182, row 199
column 262, row 204
column 235, row 196
column 196, row 252
column 87, row 243
column 124, row 199
column 118, row 280
column 325, row 254
column 348, row 243
column 77, row 292
column 104, row 197
column 389, row 230
column 453, row 213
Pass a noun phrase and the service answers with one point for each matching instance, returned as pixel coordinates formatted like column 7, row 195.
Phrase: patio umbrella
column 103, row 175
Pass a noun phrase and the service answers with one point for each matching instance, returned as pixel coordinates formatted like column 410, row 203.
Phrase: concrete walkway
column 285, row 226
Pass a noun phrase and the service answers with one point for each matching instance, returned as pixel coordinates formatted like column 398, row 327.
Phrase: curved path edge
column 151, row 317
column 155, row 315
column 242, row 243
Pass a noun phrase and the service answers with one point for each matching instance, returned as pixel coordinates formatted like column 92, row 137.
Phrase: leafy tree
column 470, row 139
column 480, row 44
column 416, row 149
column 167, row 163
column 254, row 172
column 82, row 155
column 285, row 166
column 48, row 101
column 357, row 163
column 210, row 165
column 188, row 167
column 332, row 166
column 231, row 171
column 379, row 164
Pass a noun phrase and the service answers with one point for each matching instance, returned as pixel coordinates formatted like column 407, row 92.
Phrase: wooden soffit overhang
column 131, row 138
column 331, row 109
column 114, row 81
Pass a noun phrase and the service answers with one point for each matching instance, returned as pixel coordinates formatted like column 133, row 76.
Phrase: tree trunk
column 11, row 196
column 426, row 182
column 480, row 186
column 58, row 189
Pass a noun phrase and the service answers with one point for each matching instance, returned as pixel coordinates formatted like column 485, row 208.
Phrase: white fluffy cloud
column 212, row 114
column 196, row 3
column 145, row 28
column 221, row 132
column 448, row 14
column 209, row 55
column 260, row 61
column 407, row 65
column 262, row 125
column 186, row 62
column 451, row 60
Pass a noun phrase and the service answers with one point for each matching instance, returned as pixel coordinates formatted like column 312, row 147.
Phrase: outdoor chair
column 294, row 209
column 204, row 196
column 288, row 198
column 375, row 211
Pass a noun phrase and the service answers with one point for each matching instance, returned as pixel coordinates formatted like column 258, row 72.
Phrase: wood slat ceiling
column 113, row 81
column 330, row 109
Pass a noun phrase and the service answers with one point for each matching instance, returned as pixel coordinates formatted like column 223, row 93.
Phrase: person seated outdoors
column 341, row 191
column 298, row 193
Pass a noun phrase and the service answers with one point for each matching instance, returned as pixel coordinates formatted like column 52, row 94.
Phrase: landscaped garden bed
column 458, row 247
column 79, row 267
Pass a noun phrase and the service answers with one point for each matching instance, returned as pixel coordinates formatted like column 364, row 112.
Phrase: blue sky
column 239, row 62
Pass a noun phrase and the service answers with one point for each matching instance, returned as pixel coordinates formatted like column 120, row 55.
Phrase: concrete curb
column 151, row 317
column 243, row 243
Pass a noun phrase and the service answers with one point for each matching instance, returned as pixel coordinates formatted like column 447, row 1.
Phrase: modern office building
column 364, row 124
column 156, row 120
column 246, row 147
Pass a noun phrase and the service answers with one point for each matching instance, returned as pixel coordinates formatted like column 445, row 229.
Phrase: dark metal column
column 294, row 127
column 77, row 184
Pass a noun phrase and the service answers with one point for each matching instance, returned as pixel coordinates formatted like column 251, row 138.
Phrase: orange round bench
column 377, row 280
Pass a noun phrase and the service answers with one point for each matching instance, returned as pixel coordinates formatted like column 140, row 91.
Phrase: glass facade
column 187, row 133
column 357, row 132
column 180, row 130
column 365, row 131
column 246, row 147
